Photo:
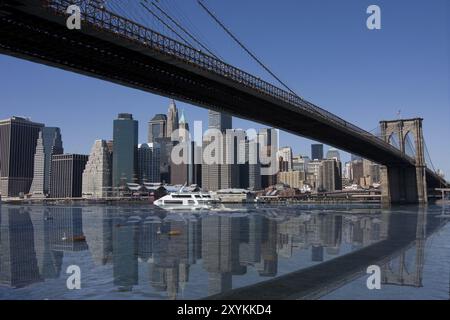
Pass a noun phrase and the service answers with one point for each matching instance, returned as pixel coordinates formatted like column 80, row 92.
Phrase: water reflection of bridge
column 406, row 231
column 34, row 240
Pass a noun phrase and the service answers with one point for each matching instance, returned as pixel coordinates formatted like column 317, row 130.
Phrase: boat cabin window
column 173, row 202
column 182, row 196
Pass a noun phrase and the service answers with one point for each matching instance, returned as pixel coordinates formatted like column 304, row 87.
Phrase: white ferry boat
column 186, row 200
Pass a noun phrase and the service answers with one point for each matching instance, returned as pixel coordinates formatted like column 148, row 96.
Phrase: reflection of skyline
column 226, row 245
column 18, row 261
column 33, row 241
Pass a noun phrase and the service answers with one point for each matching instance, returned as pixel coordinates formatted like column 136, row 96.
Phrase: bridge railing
column 99, row 17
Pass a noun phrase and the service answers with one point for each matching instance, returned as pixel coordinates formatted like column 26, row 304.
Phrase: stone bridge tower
column 402, row 184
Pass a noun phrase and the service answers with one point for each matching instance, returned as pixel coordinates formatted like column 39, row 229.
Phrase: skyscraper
column 316, row 151
column 180, row 172
column 125, row 138
column 149, row 158
column 219, row 120
column 234, row 158
column 300, row 163
column 254, row 166
column 217, row 174
column 157, row 127
column 195, row 173
column 329, row 177
column 210, row 167
column 357, row 171
column 67, row 175
column 172, row 119
column 18, row 138
column 284, row 156
column 268, row 138
column 98, row 171
column 48, row 144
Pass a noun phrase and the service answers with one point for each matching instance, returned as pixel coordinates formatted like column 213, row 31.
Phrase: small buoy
column 174, row 233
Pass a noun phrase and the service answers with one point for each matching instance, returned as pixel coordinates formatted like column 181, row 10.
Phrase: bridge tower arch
column 402, row 184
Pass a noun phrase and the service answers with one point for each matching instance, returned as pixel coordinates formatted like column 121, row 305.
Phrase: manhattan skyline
column 362, row 76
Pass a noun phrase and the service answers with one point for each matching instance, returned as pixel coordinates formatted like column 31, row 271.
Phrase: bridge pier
column 404, row 184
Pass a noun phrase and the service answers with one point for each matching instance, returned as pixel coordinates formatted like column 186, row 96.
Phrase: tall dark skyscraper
column 18, row 138
column 219, row 120
column 157, row 127
column 316, row 151
column 149, row 161
column 67, row 175
column 125, row 150
column 48, row 144
column 269, row 139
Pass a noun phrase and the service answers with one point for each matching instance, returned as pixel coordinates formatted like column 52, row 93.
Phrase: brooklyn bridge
column 115, row 48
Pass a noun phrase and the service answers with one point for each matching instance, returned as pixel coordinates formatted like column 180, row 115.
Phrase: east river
column 274, row 252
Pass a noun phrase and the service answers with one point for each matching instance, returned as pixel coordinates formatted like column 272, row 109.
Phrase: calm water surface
column 142, row 252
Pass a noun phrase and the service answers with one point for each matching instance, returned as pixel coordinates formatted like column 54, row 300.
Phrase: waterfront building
column 329, row 176
column 284, row 156
column 357, row 171
column 295, row 179
column 372, row 170
column 149, row 161
column 125, row 138
column 48, row 144
column 66, row 175
column 313, row 173
column 98, row 171
column 300, row 163
column 18, row 139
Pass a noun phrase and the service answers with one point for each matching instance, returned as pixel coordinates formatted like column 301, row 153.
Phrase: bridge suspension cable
column 175, row 10
column 427, row 155
column 183, row 29
column 227, row 30
column 167, row 25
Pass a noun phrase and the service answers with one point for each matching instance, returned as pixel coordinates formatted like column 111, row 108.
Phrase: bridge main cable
column 245, row 48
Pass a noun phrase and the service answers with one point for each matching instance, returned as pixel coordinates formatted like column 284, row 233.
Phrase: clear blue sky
column 321, row 48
